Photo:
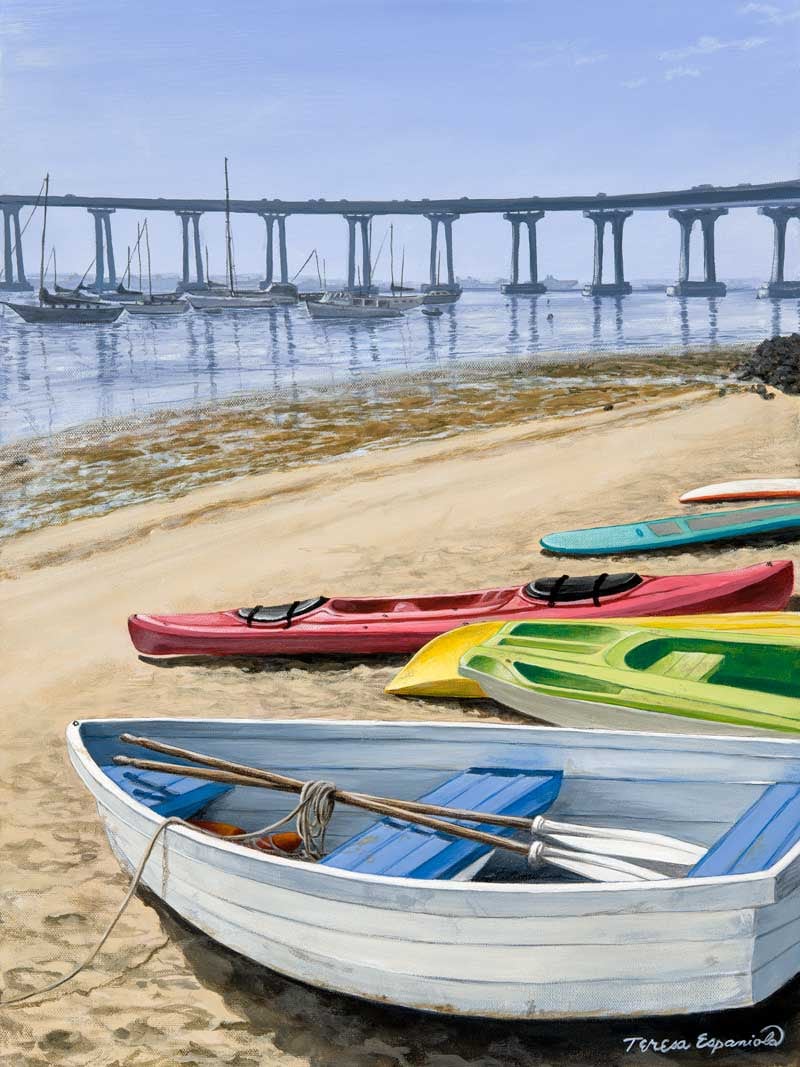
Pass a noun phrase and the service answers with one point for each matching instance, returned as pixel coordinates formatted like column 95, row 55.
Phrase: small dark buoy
column 608, row 407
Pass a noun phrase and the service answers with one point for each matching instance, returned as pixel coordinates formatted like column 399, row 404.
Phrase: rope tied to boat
column 313, row 813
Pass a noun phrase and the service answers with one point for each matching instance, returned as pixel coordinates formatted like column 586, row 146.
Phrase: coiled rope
column 313, row 813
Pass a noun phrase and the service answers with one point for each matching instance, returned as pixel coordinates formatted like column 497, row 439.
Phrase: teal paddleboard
column 675, row 532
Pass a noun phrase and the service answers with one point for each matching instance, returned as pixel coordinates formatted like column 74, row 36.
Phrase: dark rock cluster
column 775, row 361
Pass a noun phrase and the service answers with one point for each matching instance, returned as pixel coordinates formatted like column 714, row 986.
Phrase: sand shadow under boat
column 331, row 1029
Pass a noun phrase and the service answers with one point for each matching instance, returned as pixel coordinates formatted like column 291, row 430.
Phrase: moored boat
column 345, row 305
column 232, row 301
column 60, row 307
column 442, row 294
column 283, row 292
column 505, row 940
column 434, row 670
column 617, row 675
column 157, row 307
column 79, row 314
column 378, row 625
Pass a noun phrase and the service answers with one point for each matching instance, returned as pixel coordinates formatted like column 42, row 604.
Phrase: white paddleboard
column 746, row 489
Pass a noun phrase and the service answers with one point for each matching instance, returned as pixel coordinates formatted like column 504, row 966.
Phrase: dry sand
column 460, row 513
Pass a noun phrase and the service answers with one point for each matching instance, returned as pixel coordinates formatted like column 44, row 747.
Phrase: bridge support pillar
column 270, row 218
column 12, row 253
column 451, row 285
column 619, row 287
column 200, row 282
column 105, row 274
column 533, row 285
column 778, row 287
column 686, row 218
column 364, row 283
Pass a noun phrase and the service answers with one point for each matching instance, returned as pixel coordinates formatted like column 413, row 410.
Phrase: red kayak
column 404, row 624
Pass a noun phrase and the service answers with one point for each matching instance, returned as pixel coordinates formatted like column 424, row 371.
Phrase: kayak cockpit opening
column 565, row 589
column 281, row 612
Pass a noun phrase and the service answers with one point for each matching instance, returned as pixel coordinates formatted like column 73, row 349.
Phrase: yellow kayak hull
column 433, row 671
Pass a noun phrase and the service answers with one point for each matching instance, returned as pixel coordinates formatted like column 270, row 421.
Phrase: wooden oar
column 635, row 844
column 352, row 799
column 281, row 781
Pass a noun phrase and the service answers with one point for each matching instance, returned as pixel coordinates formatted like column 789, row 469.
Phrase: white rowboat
column 517, row 943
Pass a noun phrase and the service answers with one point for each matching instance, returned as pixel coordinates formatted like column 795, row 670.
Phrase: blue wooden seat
column 760, row 837
column 166, row 794
column 401, row 849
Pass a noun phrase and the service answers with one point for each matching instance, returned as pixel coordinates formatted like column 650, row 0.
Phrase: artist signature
column 767, row 1037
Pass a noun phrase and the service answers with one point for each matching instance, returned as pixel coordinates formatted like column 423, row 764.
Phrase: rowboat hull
column 433, row 671
column 83, row 316
column 508, row 950
column 679, row 531
column 376, row 626
column 746, row 489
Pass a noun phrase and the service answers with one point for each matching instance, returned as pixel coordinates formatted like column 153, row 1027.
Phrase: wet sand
column 461, row 512
column 93, row 469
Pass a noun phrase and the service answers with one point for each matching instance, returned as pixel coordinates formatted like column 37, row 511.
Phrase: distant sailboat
column 62, row 308
column 152, row 306
column 395, row 288
column 235, row 299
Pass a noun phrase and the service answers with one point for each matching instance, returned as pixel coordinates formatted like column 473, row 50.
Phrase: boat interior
column 734, row 661
column 737, row 799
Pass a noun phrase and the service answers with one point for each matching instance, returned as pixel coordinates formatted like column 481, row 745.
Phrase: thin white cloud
column 706, row 46
column 634, row 83
column 681, row 72
column 563, row 53
column 771, row 13
column 590, row 58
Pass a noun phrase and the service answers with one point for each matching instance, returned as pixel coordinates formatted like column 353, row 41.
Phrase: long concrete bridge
column 778, row 201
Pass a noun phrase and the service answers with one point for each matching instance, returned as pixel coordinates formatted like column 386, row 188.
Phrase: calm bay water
column 54, row 377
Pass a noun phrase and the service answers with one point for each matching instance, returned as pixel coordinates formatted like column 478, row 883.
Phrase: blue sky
column 434, row 98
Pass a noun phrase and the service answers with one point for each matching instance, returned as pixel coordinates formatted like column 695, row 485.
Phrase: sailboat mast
column 391, row 252
column 139, row 252
column 228, row 247
column 129, row 266
column 149, row 275
column 44, row 233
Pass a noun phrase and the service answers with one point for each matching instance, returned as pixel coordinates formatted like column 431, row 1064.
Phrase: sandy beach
column 461, row 512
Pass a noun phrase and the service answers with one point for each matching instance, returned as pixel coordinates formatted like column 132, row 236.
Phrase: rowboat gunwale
column 83, row 760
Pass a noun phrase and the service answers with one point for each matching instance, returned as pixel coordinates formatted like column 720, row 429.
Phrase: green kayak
column 606, row 675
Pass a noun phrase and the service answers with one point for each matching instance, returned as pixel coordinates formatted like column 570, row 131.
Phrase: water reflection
column 53, row 376
column 107, row 353
column 519, row 308
column 713, row 320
